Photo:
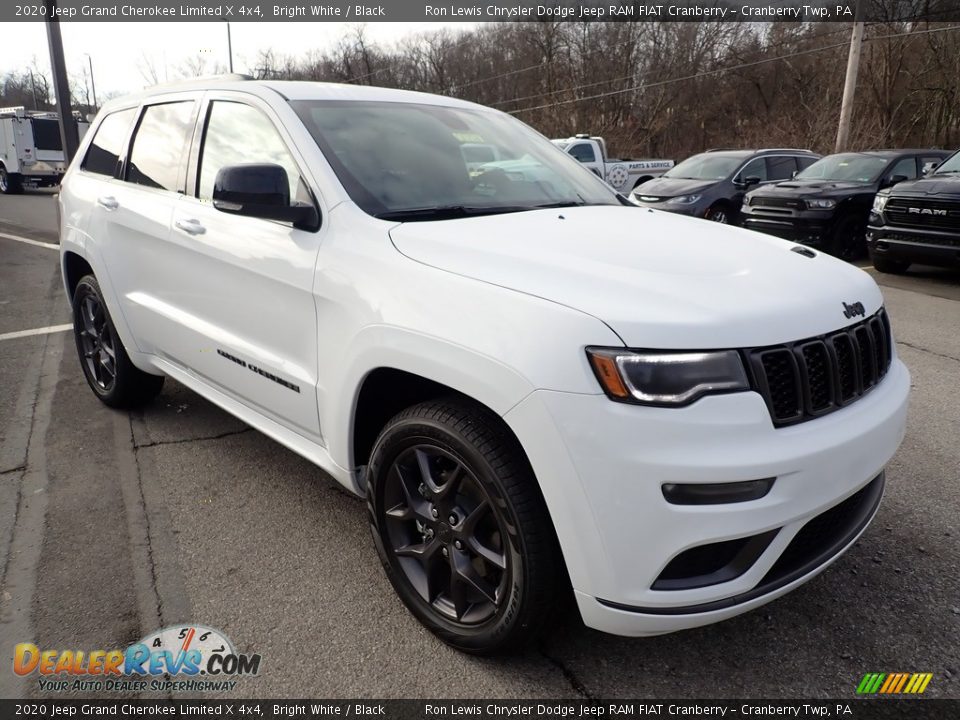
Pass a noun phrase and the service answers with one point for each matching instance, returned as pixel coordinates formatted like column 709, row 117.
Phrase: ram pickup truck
column 917, row 221
column 536, row 394
column 622, row 175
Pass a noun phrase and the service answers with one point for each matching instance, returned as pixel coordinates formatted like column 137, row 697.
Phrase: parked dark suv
column 918, row 221
column 827, row 204
column 712, row 184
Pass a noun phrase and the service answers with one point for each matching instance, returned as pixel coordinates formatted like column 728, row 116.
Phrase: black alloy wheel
column 115, row 380
column 847, row 241
column 96, row 341
column 461, row 527
column 719, row 214
column 446, row 536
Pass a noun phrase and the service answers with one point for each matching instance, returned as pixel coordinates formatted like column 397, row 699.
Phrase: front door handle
column 191, row 227
column 109, row 202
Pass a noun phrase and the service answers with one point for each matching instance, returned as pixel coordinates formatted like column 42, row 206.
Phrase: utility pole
column 850, row 84
column 229, row 47
column 61, row 85
column 93, row 85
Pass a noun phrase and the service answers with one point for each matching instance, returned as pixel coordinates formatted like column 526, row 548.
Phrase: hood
column 658, row 279
column 930, row 185
column 816, row 188
column 673, row 187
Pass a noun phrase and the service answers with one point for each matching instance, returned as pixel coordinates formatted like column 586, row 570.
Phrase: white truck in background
column 621, row 175
column 31, row 151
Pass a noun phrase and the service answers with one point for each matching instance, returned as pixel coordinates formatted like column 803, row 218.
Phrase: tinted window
column 805, row 161
column 104, row 151
column 781, row 168
column 906, row 167
column 583, row 152
column 238, row 134
column 159, row 145
column 705, row 166
column 755, row 168
column 851, row 167
column 46, row 134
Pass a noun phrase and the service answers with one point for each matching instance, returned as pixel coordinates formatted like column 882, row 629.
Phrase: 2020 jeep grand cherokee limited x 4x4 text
column 535, row 384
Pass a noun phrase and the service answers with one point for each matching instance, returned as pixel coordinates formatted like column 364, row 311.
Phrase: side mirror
column 751, row 180
column 793, row 174
column 890, row 182
column 261, row 191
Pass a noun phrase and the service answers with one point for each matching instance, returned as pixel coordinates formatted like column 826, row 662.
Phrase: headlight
column 820, row 203
column 880, row 202
column 666, row 379
column 684, row 199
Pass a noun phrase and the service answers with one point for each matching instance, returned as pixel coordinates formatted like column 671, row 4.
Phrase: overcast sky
column 120, row 50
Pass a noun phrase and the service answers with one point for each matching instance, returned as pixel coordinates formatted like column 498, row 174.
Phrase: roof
column 893, row 152
column 300, row 90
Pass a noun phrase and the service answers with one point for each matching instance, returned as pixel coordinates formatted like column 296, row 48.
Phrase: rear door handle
column 190, row 227
column 108, row 201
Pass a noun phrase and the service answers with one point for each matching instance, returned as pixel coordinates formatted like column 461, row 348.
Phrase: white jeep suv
column 536, row 385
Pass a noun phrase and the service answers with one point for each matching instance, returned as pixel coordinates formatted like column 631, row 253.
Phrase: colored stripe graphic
column 894, row 683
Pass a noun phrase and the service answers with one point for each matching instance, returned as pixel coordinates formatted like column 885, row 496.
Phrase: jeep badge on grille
column 851, row 311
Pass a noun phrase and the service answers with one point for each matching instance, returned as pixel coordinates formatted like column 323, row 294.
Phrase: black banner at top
column 482, row 10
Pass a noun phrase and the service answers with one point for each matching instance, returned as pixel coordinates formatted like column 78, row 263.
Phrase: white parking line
column 28, row 241
column 36, row 331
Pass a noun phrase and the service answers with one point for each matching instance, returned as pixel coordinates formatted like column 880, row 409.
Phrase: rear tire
column 461, row 527
column 115, row 380
column 10, row 183
column 890, row 265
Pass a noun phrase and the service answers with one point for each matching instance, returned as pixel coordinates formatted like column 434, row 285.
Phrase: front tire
column 10, row 183
column 461, row 527
column 719, row 213
column 115, row 380
column 847, row 241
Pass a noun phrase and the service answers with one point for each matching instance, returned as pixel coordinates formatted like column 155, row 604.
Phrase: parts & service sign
column 179, row 658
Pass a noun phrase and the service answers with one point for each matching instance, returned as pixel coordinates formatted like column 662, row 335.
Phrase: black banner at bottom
column 858, row 709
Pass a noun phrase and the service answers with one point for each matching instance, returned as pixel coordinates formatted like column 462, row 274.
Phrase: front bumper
column 602, row 464
column 808, row 227
column 932, row 247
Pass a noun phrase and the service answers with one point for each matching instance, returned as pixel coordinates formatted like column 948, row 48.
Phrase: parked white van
column 539, row 387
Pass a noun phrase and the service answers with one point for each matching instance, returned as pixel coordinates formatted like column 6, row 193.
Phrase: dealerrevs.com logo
column 894, row 683
column 185, row 658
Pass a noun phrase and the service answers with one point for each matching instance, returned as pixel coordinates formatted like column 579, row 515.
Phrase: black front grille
column 923, row 213
column 761, row 201
column 806, row 379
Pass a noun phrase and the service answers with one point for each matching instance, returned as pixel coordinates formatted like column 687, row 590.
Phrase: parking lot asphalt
column 115, row 524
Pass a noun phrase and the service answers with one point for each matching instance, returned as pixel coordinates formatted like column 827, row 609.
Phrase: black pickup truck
column 917, row 221
column 827, row 204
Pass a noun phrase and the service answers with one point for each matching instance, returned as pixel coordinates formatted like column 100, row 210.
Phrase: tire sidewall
column 399, row 436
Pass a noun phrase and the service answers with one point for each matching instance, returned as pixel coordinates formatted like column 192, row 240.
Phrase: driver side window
column 583, row 152
column 238, row 134
column 907, row 167
column 755, row 168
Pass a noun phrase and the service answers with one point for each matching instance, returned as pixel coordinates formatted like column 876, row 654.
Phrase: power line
column 631, row 76
column 718, row 71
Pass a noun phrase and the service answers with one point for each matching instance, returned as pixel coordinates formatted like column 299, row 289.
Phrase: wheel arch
column 74, row 266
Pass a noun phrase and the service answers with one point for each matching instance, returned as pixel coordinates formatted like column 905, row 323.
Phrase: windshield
column 849, row 167
column 706, row 166
column 950, row 166
column 407, row 161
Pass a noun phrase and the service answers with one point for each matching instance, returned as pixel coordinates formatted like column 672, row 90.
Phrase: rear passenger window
column 105, row 148
column 805, row 162
column 238, row 134
column 159, row 145
column 781, row 168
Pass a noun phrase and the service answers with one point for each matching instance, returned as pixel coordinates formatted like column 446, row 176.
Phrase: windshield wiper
column 561, row 204
column 445, row 212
